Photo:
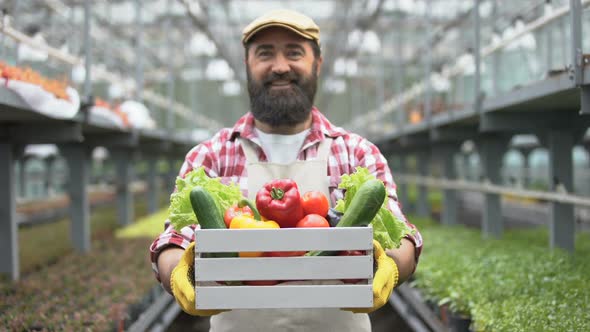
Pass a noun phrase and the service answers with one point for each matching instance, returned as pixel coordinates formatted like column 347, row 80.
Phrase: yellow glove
column 384, row 280
column 182, row 282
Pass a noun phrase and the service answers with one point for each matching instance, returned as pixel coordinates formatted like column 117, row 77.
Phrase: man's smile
column 280, row 84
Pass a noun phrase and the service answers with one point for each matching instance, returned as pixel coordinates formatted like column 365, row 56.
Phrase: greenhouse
column 295, row 165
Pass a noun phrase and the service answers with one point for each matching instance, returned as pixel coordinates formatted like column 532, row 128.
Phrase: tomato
column 313, row 220
column 284, row 253
column 261, row 282
column 234, row 211
column 315, row 202
column 351, row 253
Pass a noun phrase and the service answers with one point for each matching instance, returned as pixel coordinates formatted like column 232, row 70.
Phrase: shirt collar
column 320, row 127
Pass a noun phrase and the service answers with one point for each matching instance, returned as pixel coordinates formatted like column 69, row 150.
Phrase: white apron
column 309, row 175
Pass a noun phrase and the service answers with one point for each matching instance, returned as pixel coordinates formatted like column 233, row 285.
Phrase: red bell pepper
column 279, row 200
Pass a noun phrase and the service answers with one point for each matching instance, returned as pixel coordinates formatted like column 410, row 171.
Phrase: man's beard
column 282, row 107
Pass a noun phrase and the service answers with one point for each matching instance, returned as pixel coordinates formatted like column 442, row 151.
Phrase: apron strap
column 248, row 149
column 324, row 149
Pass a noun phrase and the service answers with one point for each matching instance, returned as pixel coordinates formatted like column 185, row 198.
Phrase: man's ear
column 320, row 60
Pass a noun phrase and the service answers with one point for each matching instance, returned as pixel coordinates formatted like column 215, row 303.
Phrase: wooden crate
column 321, row 269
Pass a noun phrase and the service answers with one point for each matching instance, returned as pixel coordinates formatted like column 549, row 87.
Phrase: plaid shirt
column 223, row 157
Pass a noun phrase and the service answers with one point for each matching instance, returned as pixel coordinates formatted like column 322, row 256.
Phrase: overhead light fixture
column 218, row 70
column 231, row 88
column 200, row 45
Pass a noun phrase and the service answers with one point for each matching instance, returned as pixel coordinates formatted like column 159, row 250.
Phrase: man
column 284, row 136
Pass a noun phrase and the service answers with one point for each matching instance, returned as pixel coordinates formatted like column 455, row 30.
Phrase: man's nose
column 280, row 65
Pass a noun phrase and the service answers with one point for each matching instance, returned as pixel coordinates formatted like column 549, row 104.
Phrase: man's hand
column 167, row 261
column 181, row 281
column 405, row 259
column 384, row 280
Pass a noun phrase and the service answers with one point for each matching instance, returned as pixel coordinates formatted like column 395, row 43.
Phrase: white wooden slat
column 285, row 239
column 284, row 268
column 291, row 296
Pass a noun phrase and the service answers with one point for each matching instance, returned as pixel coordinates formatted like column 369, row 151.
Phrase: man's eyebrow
column 263, row 47
column 298, row 46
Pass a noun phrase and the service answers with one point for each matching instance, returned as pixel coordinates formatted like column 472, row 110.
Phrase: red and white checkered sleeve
column 170, row 237
column 199, row 155
column 368, row 155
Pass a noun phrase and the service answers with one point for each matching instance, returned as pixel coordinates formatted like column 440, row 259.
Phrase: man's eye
column 264, row 54
column 294, row 54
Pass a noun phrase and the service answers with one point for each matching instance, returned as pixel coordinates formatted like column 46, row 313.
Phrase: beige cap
column 289, row 19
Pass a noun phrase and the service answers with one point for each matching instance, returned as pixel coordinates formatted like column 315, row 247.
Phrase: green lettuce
column 180, row 209
column 387, row 229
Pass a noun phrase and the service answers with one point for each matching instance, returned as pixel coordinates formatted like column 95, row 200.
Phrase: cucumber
column 364, row 205
column 208, row 214
column 362, row 209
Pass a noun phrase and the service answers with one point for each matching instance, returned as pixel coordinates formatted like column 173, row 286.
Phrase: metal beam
column 9, row 258
column 417, row 140
column 585, row 98
column 87, row 51
column 553, row 93
column 531, row 122
column 477, row 57
column 46, row 133
column 363, row 23
column 455, row 133
column 138, row 52
column 576, row 35
column 113, row 139
column 202, row 23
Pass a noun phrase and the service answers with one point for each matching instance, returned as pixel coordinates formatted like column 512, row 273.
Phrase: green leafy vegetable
column 180, row 209
column 387, row 229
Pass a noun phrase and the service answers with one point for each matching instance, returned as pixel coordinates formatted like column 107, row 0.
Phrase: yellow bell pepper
column 248, row 222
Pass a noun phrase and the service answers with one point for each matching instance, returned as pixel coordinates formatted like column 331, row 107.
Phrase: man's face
column 282, row 77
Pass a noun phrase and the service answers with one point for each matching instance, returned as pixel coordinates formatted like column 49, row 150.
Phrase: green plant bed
column 80, row 292
column 55, row 239
column 511, row 284
column 435, row 197
column 149, row 226
column 62, row 290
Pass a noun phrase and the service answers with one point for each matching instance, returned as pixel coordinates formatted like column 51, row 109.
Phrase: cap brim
column 276, row 24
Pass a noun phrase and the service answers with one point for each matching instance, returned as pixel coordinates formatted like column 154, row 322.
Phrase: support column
column 78, row 159
column 49, row 175
column 9, row 260
column 422, row 204
column 152, row 180
column 402, row 189
column 492, row 149
column 23, row 191
column 561, row 216
column 172, row 173
column 466, row 166
column 123, row 159
column 526, row 168
column 446, row 154
column 398, row 166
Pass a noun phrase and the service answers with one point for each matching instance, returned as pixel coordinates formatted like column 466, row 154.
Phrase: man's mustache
column 289, row 76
